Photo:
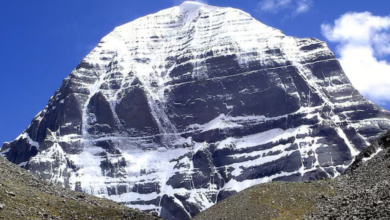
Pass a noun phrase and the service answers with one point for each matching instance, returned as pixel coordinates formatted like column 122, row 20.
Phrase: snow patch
column 5, row 152
column 373, row 155
column 25, row 135
column 23, row 164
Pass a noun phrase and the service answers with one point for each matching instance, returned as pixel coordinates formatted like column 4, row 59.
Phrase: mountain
column 25, row 196
column 360, row 193
column 180, row 109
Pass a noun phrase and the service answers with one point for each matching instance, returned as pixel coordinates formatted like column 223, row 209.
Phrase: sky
column 41, row 42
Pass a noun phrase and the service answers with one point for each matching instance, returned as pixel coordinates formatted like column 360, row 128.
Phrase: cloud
column 303, row 6
column 178, row 2
column 276, row 6
column 363, row 44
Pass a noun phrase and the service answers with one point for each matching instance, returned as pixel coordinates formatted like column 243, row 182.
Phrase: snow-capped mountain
column 178, row 110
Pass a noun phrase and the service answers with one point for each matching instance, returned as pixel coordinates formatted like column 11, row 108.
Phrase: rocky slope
column 361, row 193
column 25, row 196
column 180, row 109
column 276, row 200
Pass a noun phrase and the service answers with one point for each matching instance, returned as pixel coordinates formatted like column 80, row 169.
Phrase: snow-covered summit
column 191, row 8
column 192, row 4
column 180, row 109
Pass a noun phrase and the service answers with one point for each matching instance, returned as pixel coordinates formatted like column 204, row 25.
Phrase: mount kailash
column 180, row 109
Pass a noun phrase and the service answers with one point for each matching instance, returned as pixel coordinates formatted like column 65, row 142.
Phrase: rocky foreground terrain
column 361, row 193
column 25, row 196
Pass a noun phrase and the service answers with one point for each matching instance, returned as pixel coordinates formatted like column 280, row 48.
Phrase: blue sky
column 42, row 41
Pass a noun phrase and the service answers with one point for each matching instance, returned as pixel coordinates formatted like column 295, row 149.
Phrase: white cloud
column 178, row 2
column 303, row 6
column 273, row 6
column 276, row 6
column 363, row 44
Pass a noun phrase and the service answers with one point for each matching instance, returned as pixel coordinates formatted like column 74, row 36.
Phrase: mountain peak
column 201, row 102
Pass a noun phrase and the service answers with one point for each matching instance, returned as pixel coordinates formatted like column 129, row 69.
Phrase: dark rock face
column 172, row 210
column 207, row 104
column 135, row 113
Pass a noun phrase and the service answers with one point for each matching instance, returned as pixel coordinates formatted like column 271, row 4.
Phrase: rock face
column 178, row 110
column 360, row 193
